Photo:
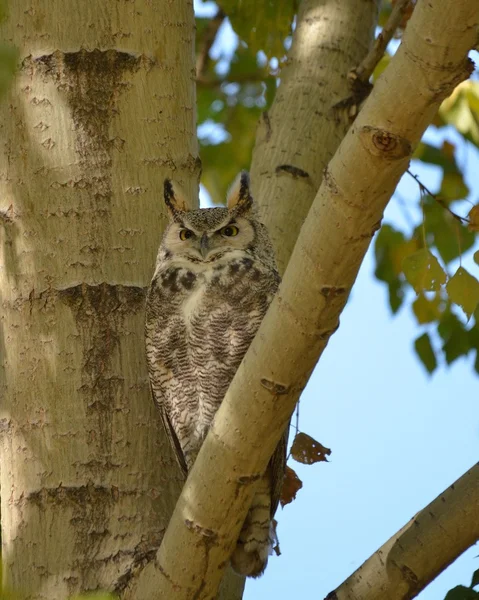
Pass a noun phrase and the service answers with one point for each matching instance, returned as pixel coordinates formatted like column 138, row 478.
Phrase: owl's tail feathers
column 258, row 535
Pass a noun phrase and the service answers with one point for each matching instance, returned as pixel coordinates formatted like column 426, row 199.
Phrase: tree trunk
column 301, row 132
column 102, row 110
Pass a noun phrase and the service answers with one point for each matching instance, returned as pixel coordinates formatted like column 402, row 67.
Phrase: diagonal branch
column 423, row 548
column 346, row 212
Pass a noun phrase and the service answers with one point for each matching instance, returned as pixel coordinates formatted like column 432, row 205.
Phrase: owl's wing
column 278, row 466
column 170, row 432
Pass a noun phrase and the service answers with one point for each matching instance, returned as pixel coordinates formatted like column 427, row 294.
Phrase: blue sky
column 398, row 439
column 398, row 436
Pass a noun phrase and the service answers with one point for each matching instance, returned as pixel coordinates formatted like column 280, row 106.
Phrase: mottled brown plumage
column 214, row 279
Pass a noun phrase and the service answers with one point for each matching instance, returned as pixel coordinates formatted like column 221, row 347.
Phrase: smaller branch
column 438, row 199
column 422, row 549
column 209, row 37
column 365, row 69
column 358, row 77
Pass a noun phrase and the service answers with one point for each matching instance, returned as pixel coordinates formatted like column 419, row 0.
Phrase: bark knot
column 384, row 143
column 331, row 291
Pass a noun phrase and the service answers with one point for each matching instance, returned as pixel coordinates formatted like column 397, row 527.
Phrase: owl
column 214, row 279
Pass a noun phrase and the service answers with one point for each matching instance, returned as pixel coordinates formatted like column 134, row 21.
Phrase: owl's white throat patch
column 192, row 302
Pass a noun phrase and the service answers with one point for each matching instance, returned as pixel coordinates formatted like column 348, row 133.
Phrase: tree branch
column 300, row 132
column 346, row 212
column 358, row 77
column 417, row 553
column 365, row 69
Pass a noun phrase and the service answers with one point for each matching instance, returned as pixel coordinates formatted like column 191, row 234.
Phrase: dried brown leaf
column 291, row 484
column 307, row 450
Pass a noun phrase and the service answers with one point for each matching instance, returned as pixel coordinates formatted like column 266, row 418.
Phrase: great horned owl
column 214, row 279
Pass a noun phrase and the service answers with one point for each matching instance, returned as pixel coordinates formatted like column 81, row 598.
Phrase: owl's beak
column 204, row 245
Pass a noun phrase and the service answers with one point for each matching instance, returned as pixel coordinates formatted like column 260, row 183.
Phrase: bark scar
column 278, row 389
column 292, row 170
column 203, row 531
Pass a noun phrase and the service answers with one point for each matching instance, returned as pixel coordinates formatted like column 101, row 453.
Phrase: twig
column 209, row 37
column 437, row 198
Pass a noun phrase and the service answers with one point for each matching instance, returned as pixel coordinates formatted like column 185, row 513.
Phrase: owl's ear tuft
column 239, row 197
column 175, row 198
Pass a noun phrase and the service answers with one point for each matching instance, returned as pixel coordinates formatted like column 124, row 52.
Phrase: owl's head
column 209, row 234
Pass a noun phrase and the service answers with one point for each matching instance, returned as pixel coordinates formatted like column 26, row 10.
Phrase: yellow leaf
column 473, row 217
column 400, row 252
column 423, row 271
column 427, row 311
column 463, row 289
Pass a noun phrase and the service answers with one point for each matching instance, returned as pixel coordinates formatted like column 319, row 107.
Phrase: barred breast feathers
column 214, row 279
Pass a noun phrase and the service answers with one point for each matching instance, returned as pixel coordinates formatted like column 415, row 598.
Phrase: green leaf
column 476, row 257
column 457, row 340
column 453, row 187
column 391, row 247
column 475, row 578
column 426, row 310
column 262, row 24
column 444, row 231
column 245, row 62
column 425, row 352
column 460, row 592
column 423, row 271
column 442, row 157
column 463, row 289
column 448, row 325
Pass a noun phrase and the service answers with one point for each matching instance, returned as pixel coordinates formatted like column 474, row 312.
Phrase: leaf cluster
column 461, row 592
column 429, row 259
column 237, row 84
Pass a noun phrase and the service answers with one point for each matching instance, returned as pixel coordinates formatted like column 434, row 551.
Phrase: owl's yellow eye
column 185, row 234
column 229, row 230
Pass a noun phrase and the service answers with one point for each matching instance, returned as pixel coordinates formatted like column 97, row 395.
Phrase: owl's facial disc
column 209, row 244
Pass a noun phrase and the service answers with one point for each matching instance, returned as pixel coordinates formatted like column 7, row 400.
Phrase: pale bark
column 302, row 131
column 335, row 236
column 88, row 136
column 416, row 554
